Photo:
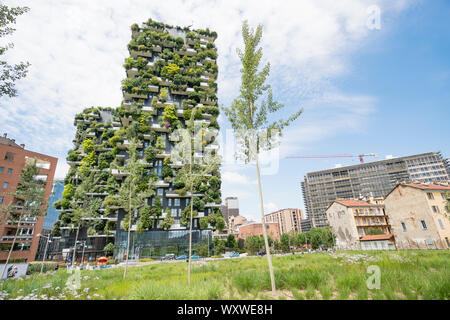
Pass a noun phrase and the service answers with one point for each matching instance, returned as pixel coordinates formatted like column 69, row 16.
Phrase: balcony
column 176, row 164
column 179, row 92
column 97, row 193
column 73, row 163
column 156, row 48
column 145, row 163
column 129, row 96
column 148, row 109
column 157, row 127
column 204, row 84
column 118, row 174
column 18, row 238
column 136, row 54
column 180, row 112
column 162, row 184
column 153, row 88
column 133, row 72
column 162, row 155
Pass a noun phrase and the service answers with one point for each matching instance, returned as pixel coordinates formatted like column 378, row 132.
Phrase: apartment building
column 418, row 217
column 360, row 225
column 171, row 75
column 375, row 179
column 13, row 159
column 287, row 219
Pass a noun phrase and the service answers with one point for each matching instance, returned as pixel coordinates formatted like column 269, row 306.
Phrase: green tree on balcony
column 29, row 200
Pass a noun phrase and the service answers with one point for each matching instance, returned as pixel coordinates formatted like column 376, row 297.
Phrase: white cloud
column 236, row 178
column 77, row 48
column 270, row 207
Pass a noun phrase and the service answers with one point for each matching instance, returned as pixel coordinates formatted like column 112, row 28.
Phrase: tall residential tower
column 171, row 76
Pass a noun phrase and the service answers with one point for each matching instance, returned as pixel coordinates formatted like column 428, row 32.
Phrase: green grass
column 404, row 275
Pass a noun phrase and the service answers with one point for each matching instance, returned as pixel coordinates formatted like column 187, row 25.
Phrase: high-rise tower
column 171, row 76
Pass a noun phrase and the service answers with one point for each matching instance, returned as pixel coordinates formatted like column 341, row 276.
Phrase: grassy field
column 404, row 275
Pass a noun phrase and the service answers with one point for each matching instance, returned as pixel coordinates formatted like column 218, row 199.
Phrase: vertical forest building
column 170, row 79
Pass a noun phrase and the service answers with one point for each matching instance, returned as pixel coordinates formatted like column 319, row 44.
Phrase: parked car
column 169, row 256
column 261, row 253
column 234, row 255
column 195, row 256
column 182, row 257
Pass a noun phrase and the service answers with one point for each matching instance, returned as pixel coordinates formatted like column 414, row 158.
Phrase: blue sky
column 383, row 91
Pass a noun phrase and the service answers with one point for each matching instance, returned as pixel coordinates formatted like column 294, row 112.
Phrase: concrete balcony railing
column 136, row 54
column 153, row 88
column 129, row 96
column 174, row 137
column 133, row 72
column 159, row 128
column 73, row 163
column 204, row 84
column 162, row 184
column 118, row 174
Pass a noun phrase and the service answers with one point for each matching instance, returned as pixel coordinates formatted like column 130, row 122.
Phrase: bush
column 35, row 267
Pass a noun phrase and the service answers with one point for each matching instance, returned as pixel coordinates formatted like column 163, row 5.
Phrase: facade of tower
column 375, row 179
column 171, row 77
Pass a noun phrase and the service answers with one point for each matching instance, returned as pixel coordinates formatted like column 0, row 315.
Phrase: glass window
column 404, row 226
column 169, row 202
column 10, row 171
column 2, row 169
column 176, row 202
column 1, row 199
column 430, row 196
column 424, row 225
column 5, row 185
column 441, row 224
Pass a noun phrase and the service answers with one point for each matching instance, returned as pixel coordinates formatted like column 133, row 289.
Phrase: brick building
column 13, row 158
column 255, row 229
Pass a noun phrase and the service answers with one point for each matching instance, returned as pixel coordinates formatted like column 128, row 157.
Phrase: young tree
column 230, row 241
column 131, row 196
column 10, row 73
column 194, row 171
column 285, row 242
column 28, row 200
column 252, row 244
column 250, row 111
column 85, row 208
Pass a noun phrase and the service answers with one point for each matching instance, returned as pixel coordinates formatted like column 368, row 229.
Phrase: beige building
column 418, row 217
column 234, row 222
column 288, row 219
column 360, row 225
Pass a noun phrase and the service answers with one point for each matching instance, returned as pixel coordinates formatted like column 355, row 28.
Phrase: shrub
column 35, row 267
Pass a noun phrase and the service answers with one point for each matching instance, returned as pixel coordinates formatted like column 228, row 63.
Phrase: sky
column 364, row 87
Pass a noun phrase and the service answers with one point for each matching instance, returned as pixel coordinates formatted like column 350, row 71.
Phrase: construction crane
column 361, row 156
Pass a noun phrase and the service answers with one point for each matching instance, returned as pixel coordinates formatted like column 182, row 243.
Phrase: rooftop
column 376, row 237
column 428, row 186
column 357, row 203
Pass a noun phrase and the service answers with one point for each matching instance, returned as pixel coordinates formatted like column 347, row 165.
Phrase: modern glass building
column 377, row 179
column 52, row 213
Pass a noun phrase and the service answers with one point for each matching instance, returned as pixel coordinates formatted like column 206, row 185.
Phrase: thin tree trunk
column 12, row 246
column 128, row 241
column 75, row 244
column 266, row 242
column 190, row 228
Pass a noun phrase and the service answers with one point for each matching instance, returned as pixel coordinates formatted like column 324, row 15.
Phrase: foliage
column 252, row 244
column 9, row 74
column 109, row 249
column 168, row 221
column 231, row 241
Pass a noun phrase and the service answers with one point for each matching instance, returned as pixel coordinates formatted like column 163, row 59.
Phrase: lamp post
column 45, row 250
column 82, row 255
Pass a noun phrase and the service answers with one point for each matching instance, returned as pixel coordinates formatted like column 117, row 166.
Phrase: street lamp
column 45, row 251
column 84, row 246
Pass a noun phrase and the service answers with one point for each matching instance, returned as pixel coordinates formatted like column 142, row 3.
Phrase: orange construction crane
column 361, row 156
